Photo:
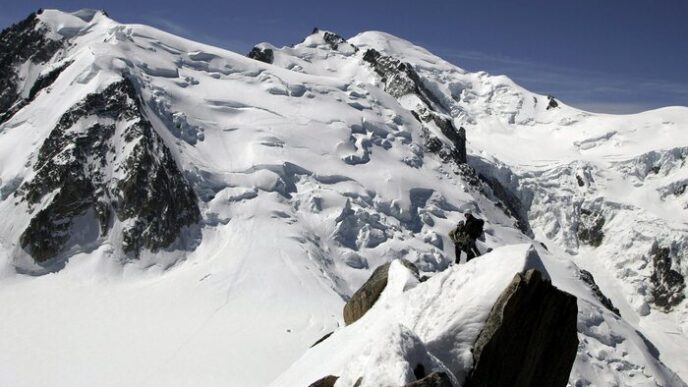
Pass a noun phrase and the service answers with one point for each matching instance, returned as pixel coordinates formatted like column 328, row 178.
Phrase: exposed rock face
column 46, row 80
column 368, row 294
column 667, row 284
column 401, row 79
column 262, row 54
column 19, row 43
column 587, row 277
column 333, row 39
column 457, row 152
column 551, row 102
column 327, row 381
column 144, row 188
column 590, row 227
column 435, row 379
column 529, row 338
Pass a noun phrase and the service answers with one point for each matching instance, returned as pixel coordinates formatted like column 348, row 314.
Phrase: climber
column 460, row 239
column 464, row 236
column 474, row 229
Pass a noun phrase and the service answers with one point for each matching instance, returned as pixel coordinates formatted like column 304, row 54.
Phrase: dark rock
column 371, row 56
column 590, row 227
column 419, row 371
column 152, row 193
column 552, row 103
column 529, row 338
column 458, row 138
column 327, row 381
column 468, row 174
column 333, row 39
column 46, row 80
column 19, row 43
column 581, row 182
column 433, row 145
column 400, row 79
column 320, row 340
column 265, row 55
column 587, row 277
column 435, row 379
column 667, row 285
column 367, row 295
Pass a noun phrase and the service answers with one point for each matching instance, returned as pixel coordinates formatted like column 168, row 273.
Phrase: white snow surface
column 291, row 227
column 437, row 322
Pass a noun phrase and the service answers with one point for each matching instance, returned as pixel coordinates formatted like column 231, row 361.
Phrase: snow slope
column 308, row 176
column 441, row 318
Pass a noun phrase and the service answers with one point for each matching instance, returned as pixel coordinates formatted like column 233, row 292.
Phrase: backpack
column 474, row 228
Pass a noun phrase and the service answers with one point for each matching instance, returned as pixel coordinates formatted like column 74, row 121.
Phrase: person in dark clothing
column 473, row 229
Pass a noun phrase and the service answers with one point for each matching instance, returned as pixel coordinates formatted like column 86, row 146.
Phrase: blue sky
column 602, row 55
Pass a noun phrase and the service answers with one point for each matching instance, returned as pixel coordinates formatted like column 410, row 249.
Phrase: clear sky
column 601, row 55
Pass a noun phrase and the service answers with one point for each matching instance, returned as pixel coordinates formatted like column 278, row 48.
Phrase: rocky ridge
column 83, row 169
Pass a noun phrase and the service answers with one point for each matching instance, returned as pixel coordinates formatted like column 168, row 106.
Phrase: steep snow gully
column 178, row 214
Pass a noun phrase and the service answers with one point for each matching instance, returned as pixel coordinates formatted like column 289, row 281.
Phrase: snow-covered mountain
column 179, row 214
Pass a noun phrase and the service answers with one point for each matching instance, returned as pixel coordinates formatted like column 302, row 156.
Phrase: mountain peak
column 66, row 25
column 324, row 38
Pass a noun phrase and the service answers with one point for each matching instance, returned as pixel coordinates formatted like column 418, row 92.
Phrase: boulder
column 435, row 379
column 368, row 294
column 529, row 338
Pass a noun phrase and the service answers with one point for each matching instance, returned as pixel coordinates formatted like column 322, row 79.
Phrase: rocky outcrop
column 327, row 381
column 144, row 188
column 457, row 137
column 46, row 80
column 265, row 55
column 400, row 79
column 589, row 280
column 435, row 379
column 529, row 338
column 368, row 294
column 590, row 227
column 667, row 285
column 334, row 40
column 551, row 102
column 23, row 42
